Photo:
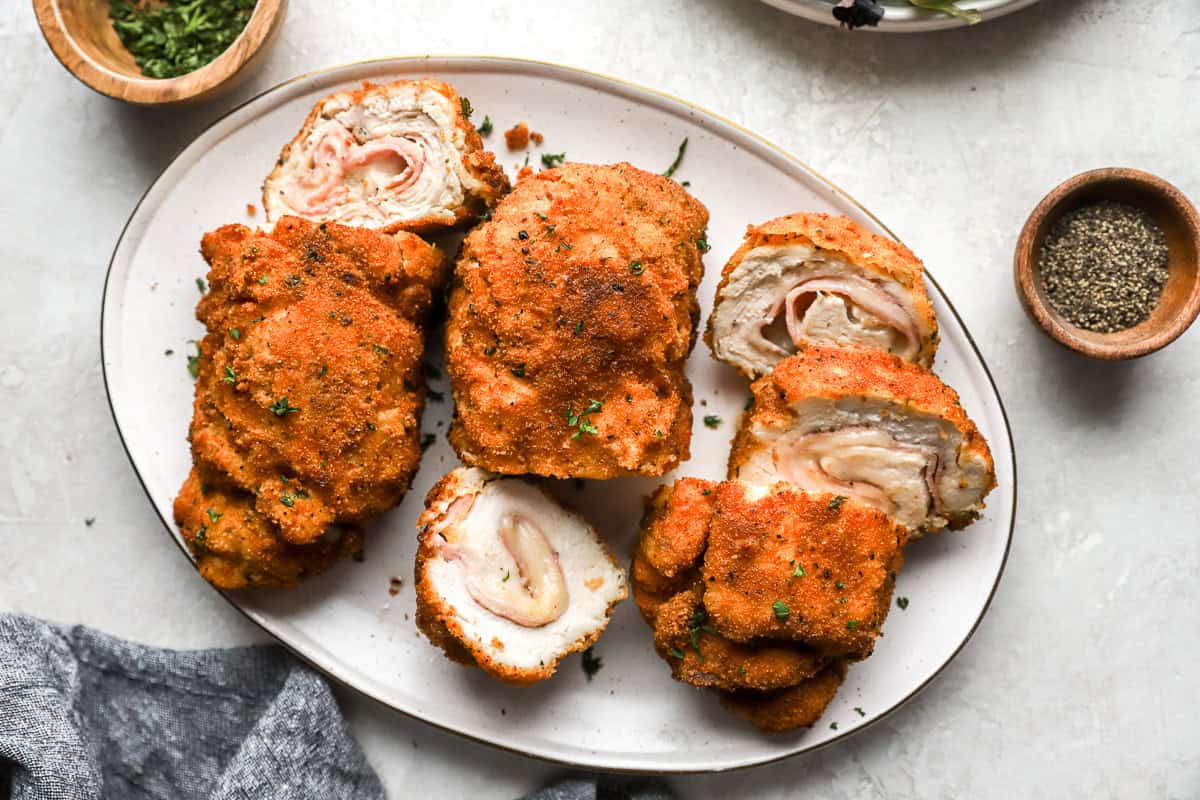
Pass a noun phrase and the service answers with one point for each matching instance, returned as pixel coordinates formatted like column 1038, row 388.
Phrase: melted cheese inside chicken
column 781, row 296
column 907, row 464
column 517, row 579
column 385, row 157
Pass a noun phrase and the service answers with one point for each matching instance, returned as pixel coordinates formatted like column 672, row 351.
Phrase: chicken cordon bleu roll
column 507, row 578
column 870, row 426
column 309, row 394
column 765, row 595
column 401, row 156
column 814, row 278
column 572, row 313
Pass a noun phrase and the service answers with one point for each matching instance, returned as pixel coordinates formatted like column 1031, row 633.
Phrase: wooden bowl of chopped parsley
column 160, row 52
column 1108, row 263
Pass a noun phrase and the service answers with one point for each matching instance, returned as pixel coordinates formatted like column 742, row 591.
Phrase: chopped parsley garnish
column 172, row 39
column 201, row 285
column 675, row 651
column 781, row 609
column 194, row 362
column 580, row 420
column 636, row 268
column 200, row 541
column 852, row 624
column 486, row 127
column 591, row 663
column 712, row 421
column 833, row 726
column 579, row 326
column 697, row 625
column 235, row 334
column 859, row 711
column 836, row 503
column 89, row 521
column 553, row 159
column 702, row 243
column 507, row 575
column 230, row 375
column 262, row 280
column 902, row 602
column 281, row 407
column 798, row 572
column 840, row 585
column 518, row 370
column 678, row 159
column 706, row 492
column 465, row 104
column 288, row 500
column 426, row 440
column 213, row 516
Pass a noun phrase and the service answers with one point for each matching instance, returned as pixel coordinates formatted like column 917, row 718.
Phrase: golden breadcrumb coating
column 572, row 313
column 480, row 164
column 811, row 568
column 752, row 592
column 833, row 373
column 236, row 547
column 309, row 390
column 783, row 710
column 843, row 238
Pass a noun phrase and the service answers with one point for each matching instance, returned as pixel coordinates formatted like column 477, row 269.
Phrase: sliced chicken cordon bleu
column 401, row 156
column 814, row 278
column 867, row 425
column 508, row 579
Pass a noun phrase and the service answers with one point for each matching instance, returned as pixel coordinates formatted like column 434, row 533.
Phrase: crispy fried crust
column 800, row 567
column 438, row 619
column 581, row 287
column 850, row 242
column 236, row 547
column 330, row 319
column 832, row 373
column 478, row 162
column 700, row 656
column 799, row 706
column 764, row 592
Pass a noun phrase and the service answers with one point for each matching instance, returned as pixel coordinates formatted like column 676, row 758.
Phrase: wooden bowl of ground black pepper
column 1108, row 263
column 83, row 38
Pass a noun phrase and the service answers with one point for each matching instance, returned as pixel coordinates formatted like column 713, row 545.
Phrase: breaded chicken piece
column 309, row 390
column 798, row 706
column 508, row 579
column 401, row 156
column 236, row 547
column 811, row 568
column 814, row 278
column 871, row 426
column 685, row 638
column 572, row 313
column 752, row 592
column 674, row 535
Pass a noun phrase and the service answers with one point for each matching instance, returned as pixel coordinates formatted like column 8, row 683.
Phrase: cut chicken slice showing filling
column 511, row 575
column 780, row 297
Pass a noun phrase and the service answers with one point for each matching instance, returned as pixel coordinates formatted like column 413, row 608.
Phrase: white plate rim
column 663, row 101
column 902, row 19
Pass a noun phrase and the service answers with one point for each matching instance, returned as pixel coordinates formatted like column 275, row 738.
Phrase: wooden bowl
column 84, row 41
column 1180, row 302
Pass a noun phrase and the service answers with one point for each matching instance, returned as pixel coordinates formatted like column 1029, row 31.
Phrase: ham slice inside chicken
column 804, row 301
column 866, row 464
column 532, row 596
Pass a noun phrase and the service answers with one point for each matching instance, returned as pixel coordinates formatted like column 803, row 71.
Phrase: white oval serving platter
column 631, row 716
column 900, row 16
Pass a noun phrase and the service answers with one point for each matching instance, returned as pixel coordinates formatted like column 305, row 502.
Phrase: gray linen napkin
column 84, row 715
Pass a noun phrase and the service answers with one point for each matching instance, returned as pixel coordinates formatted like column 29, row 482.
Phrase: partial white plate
column 632, row 716
column 902, row 17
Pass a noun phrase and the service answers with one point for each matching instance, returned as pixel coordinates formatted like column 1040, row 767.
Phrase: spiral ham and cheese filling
column 866, row 425
column 396, row 157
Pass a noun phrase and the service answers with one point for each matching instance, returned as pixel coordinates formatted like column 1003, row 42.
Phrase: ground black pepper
column 1104, row 266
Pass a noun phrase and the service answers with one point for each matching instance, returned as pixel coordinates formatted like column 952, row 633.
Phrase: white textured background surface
column 1083, row 679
